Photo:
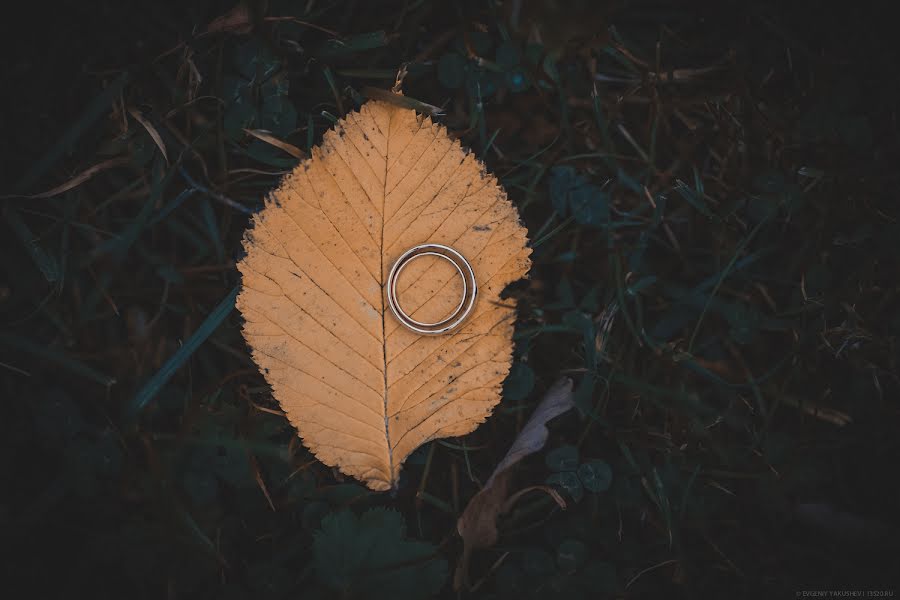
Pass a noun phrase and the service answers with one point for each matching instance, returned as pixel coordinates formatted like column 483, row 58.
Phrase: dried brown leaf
column 267, row 137
column 362, row 390
column 478, row 524
column 77, row 180
column 157, row 139
column 237, row 20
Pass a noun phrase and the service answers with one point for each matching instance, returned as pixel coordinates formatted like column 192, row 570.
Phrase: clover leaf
column 369, row 556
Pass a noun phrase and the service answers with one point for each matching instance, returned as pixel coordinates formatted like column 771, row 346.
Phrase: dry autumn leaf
column 477, row 526
column 362, row 390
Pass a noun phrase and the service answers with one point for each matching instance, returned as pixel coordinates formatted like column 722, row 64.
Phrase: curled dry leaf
column 237, row 20
column 478, row 524
column 267, row 137
column 362, row 390
column 154, row 134
column 77, row 180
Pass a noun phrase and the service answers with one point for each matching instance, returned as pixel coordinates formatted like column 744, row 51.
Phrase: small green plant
column 574, row 476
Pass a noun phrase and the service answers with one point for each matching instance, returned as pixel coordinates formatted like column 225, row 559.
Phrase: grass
column 710, row 203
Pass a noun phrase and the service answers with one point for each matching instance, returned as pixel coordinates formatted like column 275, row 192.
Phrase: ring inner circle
column 449, row 317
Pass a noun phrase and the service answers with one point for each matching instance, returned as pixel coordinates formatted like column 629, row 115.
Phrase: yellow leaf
column 362, row 390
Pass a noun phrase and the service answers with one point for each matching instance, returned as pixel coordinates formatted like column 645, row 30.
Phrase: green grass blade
column 723, row 275
column 155, row 383
column 337, row 48
column 44, row 261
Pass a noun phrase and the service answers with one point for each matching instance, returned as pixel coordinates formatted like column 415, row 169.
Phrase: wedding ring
column 466, row 302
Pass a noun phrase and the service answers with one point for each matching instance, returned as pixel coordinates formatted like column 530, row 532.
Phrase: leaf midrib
column 387, row 433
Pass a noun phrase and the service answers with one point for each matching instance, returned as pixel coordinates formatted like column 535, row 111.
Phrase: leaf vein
column 485, row 336
column 415, row 164
column 325, row 383
column 332, row 336
column 456, row 399
column 315, row 283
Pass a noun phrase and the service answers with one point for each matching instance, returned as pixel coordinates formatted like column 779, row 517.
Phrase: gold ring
column 466, row 303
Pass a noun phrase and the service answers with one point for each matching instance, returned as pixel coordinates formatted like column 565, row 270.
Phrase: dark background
column 745, row 397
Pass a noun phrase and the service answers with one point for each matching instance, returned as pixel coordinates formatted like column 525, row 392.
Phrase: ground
column 710, row 193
